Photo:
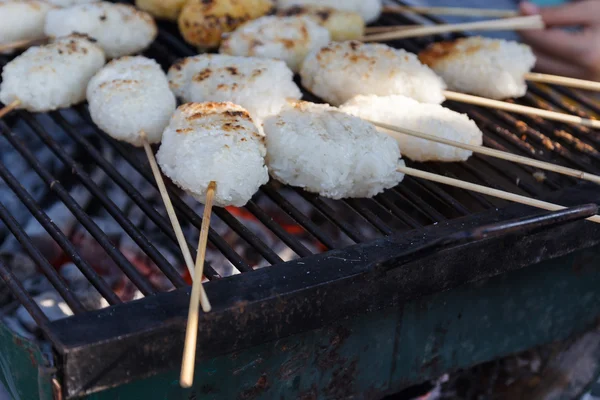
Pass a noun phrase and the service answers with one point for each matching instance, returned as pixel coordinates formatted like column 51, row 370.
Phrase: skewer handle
column 458, row 11
column 519, row 109
column 394, row 130
column 173, row 217
column 517, row 23
column 387, row 28
column 191, row 334
column 487, row 191
column 563, row 80
column 9, row 107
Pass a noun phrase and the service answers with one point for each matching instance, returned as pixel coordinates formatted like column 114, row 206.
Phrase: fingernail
column 528, row 8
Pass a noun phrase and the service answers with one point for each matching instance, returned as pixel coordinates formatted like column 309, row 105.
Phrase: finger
column 556, row 42
column 550, row 65
column 586, row 12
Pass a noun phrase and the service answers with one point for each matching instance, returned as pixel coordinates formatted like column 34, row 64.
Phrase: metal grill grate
column 414, row 204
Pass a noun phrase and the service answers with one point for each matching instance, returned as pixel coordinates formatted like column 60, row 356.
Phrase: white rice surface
column 320, row 149
column 120, row 29
column 289, row 39
column 432, row 119
column 218, row 142
column 22, row 20
column 340, row 71
column 368, row 9
column 492, row 68
column 130, row 95
column 53, row 76
column 259, row 85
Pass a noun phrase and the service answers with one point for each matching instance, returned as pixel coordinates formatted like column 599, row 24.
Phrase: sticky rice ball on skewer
column 131, row 95
column 431, row 119
column 289, row 39
column 341, row 24
column 22, row 20
column 340, row 71
column 52, row 76
column 217, row 142
column 259, row 85
column 120, row 29
column 325, row 151
column 368, row 9
column 492, row 68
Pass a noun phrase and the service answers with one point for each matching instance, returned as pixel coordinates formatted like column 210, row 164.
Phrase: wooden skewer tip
column 189, row 350
column 9, row 107
column 21, row 44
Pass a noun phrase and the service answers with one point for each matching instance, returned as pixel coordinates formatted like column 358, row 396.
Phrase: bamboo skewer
column 9, row 107
column 487, row 191
column 519, row 109
column 457, row 11
column 21, row 44
column 517, row 23
column 191, row 334
column 563, row 80
column 493, row 153
column 388, row 28
column 174, row 220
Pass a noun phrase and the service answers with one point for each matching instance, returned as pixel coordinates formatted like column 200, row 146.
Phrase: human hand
column 560, row 52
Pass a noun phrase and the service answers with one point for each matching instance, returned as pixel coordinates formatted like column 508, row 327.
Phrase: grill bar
column 542, row 103
column 443, row 196
column 579, row 98
column 300, row 218
column 414, row 199
column 386, row 200
column 55, row 279
column 138, row 237
column 248, row 236
column 511, row 173
column 550, row 179
column 464, row 171
column 329, row 213
column 289, row 240
column 132, row 273
column 60, row 238
column 369, row 215
column 25, row 299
